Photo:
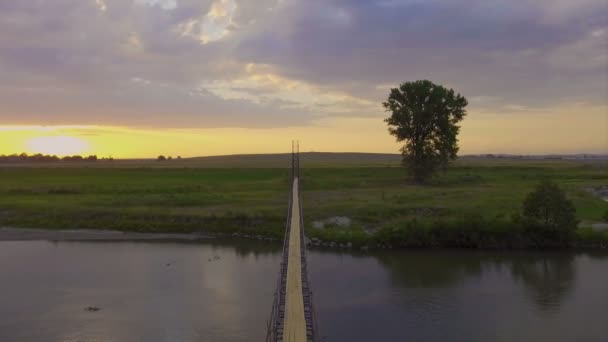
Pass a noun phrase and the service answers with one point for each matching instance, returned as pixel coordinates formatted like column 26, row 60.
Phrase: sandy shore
column 25, row 234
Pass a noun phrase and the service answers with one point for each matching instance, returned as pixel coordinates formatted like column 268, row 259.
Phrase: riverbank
column 411, row 238
column 469, row 206
column 31, row 234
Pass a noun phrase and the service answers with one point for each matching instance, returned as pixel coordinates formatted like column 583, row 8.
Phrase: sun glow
column 60, row 145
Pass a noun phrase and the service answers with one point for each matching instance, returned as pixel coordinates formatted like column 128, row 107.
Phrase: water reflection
column 247, row 248
column 145, row 291
column 461, row 296
column 181, row 291
column 546, row 277
column 424, row 269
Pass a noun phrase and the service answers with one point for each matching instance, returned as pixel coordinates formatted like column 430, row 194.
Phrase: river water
column 223, row 292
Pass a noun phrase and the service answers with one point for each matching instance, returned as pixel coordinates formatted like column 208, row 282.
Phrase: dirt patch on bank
column 599, row 191
column 27, row 234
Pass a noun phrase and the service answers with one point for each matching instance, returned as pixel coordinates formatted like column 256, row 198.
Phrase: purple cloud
column 73, row 61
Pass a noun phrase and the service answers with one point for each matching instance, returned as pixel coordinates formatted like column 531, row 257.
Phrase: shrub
column 548, row 211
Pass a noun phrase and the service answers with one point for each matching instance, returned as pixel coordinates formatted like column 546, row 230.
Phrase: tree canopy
column 426, row 117
column 548, row 206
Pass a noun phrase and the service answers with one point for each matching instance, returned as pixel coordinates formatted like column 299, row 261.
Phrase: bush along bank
column 548, row 220
column 473, row 233
column 465, row 232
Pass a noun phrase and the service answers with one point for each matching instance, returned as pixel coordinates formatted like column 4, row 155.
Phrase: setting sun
column 61, row 145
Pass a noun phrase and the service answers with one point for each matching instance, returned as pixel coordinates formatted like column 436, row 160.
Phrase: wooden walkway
column 295, row 322
column 292, row 316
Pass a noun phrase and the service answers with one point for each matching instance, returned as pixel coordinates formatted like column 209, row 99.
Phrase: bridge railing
column 275, row 323
column 311, row 317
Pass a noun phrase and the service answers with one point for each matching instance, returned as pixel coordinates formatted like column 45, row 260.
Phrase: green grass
column 377, row 198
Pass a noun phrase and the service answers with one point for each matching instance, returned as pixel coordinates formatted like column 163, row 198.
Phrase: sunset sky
column 138, row 78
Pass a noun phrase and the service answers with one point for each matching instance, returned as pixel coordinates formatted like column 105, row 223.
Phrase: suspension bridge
column 292, row 318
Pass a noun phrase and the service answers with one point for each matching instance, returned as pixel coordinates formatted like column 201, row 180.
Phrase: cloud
column 163, row 4
column 101, row 4
column 590, row 52
column 260, row 84
column 272, row 63
column 213, row 26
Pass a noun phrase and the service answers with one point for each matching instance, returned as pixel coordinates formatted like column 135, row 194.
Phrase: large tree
column 426, row 117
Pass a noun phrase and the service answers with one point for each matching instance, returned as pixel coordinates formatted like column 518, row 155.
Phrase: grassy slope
column 197, row 195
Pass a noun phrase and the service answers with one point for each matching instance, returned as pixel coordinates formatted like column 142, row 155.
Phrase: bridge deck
column 295, row 320
column 292, row 318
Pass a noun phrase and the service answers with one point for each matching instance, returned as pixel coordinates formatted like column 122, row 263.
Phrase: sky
column 138, row 78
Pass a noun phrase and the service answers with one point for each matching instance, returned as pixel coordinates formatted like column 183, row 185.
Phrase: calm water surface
column 223, row 292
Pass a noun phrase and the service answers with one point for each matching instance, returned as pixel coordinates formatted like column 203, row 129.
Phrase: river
column 222, row 291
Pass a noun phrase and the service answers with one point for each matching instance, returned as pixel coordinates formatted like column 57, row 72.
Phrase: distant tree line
column 163, row 158
column 44, row 158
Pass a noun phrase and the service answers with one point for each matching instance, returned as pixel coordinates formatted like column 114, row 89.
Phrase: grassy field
column 249, row 195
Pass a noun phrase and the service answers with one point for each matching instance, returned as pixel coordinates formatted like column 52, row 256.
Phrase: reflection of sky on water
column 462, row 296
column 146, row 292
column 223, row 292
